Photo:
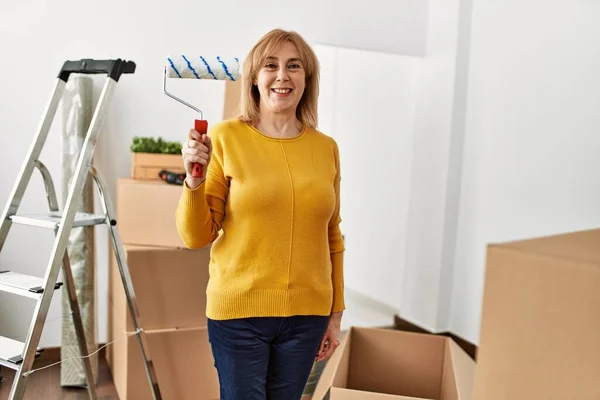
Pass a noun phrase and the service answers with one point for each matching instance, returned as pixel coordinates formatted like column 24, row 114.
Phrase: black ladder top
column 113, row 68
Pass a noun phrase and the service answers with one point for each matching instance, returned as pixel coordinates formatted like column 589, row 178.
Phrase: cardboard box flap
column 339, row 360
column 463, row 370
column 582, row 246
column 349, row 394
column 396, row 362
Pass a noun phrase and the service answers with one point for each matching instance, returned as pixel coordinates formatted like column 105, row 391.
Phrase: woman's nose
column 282, row 74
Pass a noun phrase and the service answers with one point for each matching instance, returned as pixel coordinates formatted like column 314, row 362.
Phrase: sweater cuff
column 192, row 197
column 337, row 277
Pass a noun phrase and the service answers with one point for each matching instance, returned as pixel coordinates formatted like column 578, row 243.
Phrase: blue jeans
column 265, row 358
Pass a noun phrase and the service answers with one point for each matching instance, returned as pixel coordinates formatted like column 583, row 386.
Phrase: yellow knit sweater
column 271, row 208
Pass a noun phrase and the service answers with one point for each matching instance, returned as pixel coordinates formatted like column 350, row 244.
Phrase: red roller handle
column 201, row 126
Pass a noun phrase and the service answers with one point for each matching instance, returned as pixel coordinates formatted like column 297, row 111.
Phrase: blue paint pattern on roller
column 174, row 69
column 225, row 68
column 208, row 67
column 190, row 66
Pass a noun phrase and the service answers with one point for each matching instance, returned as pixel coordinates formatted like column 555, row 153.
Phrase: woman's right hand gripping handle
column 197, row 149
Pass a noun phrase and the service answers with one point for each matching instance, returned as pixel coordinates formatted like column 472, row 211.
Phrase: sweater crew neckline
column 299, row 136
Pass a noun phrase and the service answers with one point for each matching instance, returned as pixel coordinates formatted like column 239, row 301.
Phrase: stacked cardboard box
column 170, row 282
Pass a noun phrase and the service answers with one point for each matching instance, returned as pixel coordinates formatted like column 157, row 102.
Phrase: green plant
column 152, row 145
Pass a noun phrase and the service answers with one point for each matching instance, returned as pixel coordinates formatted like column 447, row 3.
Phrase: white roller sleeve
column 203, row 67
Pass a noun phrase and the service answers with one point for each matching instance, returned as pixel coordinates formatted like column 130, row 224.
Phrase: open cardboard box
column 388, row 364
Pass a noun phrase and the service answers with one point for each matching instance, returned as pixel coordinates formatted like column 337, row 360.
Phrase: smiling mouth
column 282, row 91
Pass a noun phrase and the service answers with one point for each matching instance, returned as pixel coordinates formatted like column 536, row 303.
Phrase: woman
column 270, row 204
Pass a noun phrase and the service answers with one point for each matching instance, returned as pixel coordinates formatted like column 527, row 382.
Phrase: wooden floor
column 45, row 384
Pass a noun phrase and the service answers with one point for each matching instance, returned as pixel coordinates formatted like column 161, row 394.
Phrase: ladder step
column 11, row 352
column 21, row 284
column 52, row 220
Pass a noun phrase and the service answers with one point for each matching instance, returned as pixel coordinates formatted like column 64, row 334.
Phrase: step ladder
column 20, row 356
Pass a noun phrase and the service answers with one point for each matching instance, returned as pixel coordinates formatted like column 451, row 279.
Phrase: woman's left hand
column 331, row 338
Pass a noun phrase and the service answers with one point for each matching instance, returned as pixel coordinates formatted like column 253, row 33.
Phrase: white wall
column 435, row 168
column 37, row 37
column 504, row 131
column 401, row 189
column 372, row 119
column 531, row 164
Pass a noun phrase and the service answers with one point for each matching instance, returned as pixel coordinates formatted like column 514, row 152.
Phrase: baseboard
column 404, row 325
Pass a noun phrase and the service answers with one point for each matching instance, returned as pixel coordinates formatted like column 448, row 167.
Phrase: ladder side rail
column 63, row 234
column 24, row 175
column 121, row 259
column 70, row 286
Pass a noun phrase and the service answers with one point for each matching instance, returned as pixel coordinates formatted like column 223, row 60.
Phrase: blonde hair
column 250, row 98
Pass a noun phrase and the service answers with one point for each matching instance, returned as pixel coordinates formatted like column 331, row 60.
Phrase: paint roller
column 200, row 67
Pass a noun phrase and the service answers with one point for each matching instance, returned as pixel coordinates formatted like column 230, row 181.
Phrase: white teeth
column 282, row 91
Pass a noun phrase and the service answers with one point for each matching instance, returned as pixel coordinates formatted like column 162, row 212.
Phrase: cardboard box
column 541, row 319
column 390, row 364
column 231, row 108
column 146, row 212
column 148, row 165
column 169, row 284
column 182, row 360
column 170, row 288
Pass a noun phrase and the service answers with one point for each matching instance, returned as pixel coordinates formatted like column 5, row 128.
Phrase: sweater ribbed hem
column 232, row 304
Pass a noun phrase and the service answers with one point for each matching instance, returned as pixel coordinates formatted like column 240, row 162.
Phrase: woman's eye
column 294, row 65
column 270, row 65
